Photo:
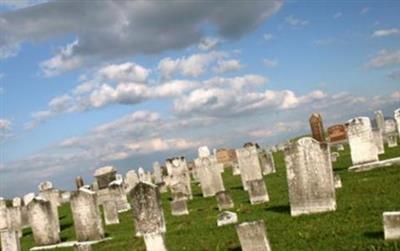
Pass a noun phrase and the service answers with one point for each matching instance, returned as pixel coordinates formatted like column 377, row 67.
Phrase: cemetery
column 333, row 189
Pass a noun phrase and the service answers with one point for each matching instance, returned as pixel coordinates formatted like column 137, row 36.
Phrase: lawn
column 355, row 225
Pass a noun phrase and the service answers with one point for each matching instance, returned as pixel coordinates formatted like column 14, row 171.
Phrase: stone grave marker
column 391, row 225
column 110, row 210
column 317, row 128
column 226, row 218
column 253, row 236
column 117, row 193
column 257, row 191
column 249, row 164
column 224, row 201
column 9, row 240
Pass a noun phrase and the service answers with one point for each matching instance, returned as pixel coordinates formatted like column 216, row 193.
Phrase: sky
column 126, row 83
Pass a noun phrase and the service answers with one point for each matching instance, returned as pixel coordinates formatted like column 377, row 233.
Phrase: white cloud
column 395, row 75
column 5, row 128
column 270, row 63
column 268, row 36
column 9, row 50
column 227, row 65
column 386, row 32
column 384, row 58
column 296, row 22
column 364, row 10
column 337, row 15
column 124, row 72
column 208, row 43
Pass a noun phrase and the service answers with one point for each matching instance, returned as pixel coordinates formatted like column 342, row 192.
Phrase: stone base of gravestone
column 179, row 207
column 338, row 181
column 257, row 191
column 253, row 236
column 224, row 201
column 155, row 242
column 227, row 218
column 110, row 210
column 9, row 240
column 375, row 165
column 70, row 244
column 82, row 247
column 391, row 225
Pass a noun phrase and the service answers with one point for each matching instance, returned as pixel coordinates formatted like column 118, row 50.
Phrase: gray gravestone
column 110, row 210
column 9, row 240
column 131, row 180
column 257, row 191
column 117, row 193
column 249, row 164
column 253, row 236
column 209, row 173
column 391, row 225
column 224, row 201
column 179, row 176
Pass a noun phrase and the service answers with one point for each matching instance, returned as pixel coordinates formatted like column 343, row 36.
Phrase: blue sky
column 129, row 83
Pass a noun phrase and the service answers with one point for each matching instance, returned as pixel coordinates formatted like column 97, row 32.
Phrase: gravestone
column 86, row 215
column 334, row 156
column 14, row 217
column 142, row 174
column 317, row 128
column 3, row 214
column 337, row 133
column 44, row 186
column 131, row 180
column 9, row 240
column 361, row 141
column 309, row 177
column 226, row 218
column 378, row 140
column 148, row 215
column 43, row 222
column 104, row 176
column 52, row 195
column 253, row 236
column 79, row 182
column 209, row 173
column 380, row 121
column 179, row 176
column 82, row 247
column 391, row 132
column 110, row 210
column 158, row 177
column 257, row 191
column 339, row 147
column 249, row 164
column 338, row 181
column 267, row 162
column 391, row 225
column 397, row 118
column 117, row 193
column 224, row 201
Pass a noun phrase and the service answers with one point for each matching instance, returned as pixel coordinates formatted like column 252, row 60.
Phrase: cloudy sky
column 127, row 83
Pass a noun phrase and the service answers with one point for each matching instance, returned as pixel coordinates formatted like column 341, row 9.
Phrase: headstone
column 380, row 121
column 235, row 169
column 391, row 132
column 361, row 141
column 131, row 180
column 249, row 164
column 44, row 186
column 391, row 225
column 337, row 133
column 179, row 207
column 267, row 162
column 338, row 181
column 203, row 151
column 158, row 177
column 142, row 174
column 209, row 173
column 310, row 177
column 43, row 222
column 82, row 247
column 224, row 201
column 110, row 210
column 104, row 176
column 53, row 196
column 9, row 240
column 257, row 191
column 14, row 217
column 378, row 140
column 253, row 236
column 317, row 128
column 149, row 215
column 179, row 176
column 79, row 182
column 339, row 147
column 86, row 215
column 334, row 156
column 397, row 118
column 226, row 218
column 118, row 194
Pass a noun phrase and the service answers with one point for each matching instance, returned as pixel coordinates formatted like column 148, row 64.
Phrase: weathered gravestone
column 9, row 240
column 48, row 192
column 179, row 176
column 104, row 176
column 179, row 203
column 391, row 132
column 249, row 164
column 79, row 182
column 267, row 162
column 378, row 140
column 309, row 177
column 110, row 210
column 337, row 133
column 44, row 224
column 253, row 236
column 380, row 121
column 226, row 218
column 257, row 191
column 391, row 225
column 131, row 180
column 82, row 247
column 361, row 141
column 14, row 216
column 149, row 215
column 117, row 193
column 158, row 177
column 224, row 201
column 397, row 118
column 86, row 215
column 317, row 128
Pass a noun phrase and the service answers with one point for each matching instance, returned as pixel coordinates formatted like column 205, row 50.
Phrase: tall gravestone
column 391, row 132
column 43, row 222
column 117, row 193
column 14, row 215
column 131, row 180
column 149, row 215
column 267, row 162
column 309, row 177
column 79, row 182
column 110, row 211
column 361, row 141
column 48, row 192
column 397, row 118
column 378, row 140
column 249, row 164
column 9, row 240
column 380, row 121
column 253, row 236
column 179, row 176
column 86, row 215
column 317, row 127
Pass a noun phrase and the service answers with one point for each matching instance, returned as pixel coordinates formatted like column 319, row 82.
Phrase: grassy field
column 355, row 225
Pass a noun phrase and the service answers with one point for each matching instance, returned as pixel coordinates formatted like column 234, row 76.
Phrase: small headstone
column 110, row 210
column 257, row 191
column 117, row 193
column 179, row 205
column 249, row 164
column 339, row 147
column 227, row 218
column 317, row 128
column 391, row 225
column 380, row 121
column 43, row 222
column 391, row 140
column 179, row 176
column 10, row 240
column 86, row 215
column 253, row 236
column 104, row 176
column 338, row 181
column 309, row 177
column 378, row 140
column 79, row 182
column 224, row 201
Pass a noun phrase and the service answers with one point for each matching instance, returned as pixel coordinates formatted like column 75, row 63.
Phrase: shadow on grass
column 374, row 235
column 235, row 249
column 237, row 188
column 26, row 232
column 283, row 209
column 65, row 226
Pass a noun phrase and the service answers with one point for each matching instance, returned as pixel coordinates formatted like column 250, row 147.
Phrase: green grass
column 355, row 225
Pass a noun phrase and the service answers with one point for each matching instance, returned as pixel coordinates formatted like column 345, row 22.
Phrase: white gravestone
column 178, row 175
column 257, row 191
column 110, row 210
column 391, row 225
column 131, row 180
column 9, row 240
column 209, row 173
column 397, row 118
column 253, row 236
column 378, row 140
column 249, row 164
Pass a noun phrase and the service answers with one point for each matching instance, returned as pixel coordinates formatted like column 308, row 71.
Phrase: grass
column 355, row 225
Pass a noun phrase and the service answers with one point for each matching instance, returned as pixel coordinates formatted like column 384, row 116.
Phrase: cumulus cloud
column 386, row 32
column 120, row 28
column 395, row 75
column 208, row 43
column 296, row 22
column 124, row 72
column 270, row 63
column 227, row 66
column 5, row 128
column 384, row 58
